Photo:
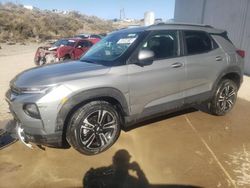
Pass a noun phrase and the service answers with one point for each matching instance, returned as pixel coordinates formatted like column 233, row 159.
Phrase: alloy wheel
column 227, row 97
column 98, row 130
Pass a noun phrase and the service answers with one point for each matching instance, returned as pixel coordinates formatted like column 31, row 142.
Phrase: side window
column 90, row 44
column 83, row 44
column 164, row 44
column 197, row 42
column 95, row 36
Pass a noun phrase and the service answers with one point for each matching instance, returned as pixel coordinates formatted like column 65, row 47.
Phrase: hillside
column 18, row 24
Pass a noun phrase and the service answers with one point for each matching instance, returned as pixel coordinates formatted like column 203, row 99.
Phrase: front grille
column 15, row 90
column 12, row 111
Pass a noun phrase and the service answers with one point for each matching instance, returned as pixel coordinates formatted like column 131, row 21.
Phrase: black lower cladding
column 51, row 140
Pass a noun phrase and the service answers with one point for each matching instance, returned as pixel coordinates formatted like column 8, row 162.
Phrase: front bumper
column 51, row 140
column 31, row 130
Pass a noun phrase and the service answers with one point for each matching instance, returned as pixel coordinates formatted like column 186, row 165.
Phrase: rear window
column 197, row 42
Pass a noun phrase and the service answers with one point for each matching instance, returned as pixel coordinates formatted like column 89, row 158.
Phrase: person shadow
column 117, row 175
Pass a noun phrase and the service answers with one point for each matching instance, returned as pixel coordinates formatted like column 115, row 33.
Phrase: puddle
column 240, row 163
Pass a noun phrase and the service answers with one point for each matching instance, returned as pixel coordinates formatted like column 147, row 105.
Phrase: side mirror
column 79, row 47
column 146, row 57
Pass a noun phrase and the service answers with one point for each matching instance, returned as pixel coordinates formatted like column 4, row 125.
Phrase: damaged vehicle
column 88, row 36
column 63, row 49
column 128, row 77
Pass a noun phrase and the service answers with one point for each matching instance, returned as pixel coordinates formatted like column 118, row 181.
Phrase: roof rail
column 183, row 24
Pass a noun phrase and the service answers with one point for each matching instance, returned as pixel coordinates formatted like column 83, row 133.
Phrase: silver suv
column 128, row 76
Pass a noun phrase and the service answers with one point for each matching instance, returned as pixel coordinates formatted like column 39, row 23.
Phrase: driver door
column 157, row 87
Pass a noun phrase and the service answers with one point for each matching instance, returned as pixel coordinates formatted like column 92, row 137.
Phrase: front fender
column 86, row 96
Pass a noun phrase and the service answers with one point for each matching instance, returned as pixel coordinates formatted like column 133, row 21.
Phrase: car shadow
column 117, row 175
column 162, row 117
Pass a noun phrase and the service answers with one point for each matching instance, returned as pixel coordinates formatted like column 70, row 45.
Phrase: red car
column 71, row 48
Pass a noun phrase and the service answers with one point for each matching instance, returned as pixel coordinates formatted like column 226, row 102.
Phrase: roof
column 80, row 39
column 72, row 38
column 179, row 26
column 185, row 26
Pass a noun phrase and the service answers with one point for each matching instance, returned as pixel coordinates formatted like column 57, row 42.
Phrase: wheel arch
column 234, row 76
column 233, row 73
column 110, row 95
column 67, row 56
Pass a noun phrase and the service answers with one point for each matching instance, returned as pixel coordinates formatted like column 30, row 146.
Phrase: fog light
column 32, row 110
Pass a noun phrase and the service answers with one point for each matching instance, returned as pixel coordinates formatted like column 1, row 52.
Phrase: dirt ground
column 186, row 149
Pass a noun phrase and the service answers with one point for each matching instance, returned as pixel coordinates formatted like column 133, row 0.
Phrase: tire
column 66, row 58
column 93, row 128
column 41, row 61
column 224, row 98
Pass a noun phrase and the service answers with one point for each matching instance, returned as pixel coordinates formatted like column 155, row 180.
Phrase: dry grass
column 18, row 24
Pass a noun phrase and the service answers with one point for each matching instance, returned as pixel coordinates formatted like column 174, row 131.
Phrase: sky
column 107, row 9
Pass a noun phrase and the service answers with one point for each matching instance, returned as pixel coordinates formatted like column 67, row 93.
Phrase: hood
column 53, row 48
column 57, row 73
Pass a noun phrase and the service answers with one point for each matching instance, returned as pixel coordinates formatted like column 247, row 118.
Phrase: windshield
column 64, row 42
column 111, row 47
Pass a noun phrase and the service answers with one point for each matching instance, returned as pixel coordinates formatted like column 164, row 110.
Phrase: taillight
column 241, row 53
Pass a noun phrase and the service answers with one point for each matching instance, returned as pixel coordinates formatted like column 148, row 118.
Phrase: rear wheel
column 94, row 128
column 224, row 98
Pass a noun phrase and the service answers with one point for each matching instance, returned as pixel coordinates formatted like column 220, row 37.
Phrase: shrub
column 19, row 24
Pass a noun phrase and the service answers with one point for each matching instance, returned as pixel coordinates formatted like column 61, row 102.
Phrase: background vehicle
column 63, row 49
column 90, row 36
column 129, row 76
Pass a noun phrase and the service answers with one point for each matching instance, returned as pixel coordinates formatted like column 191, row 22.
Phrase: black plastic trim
column 51, row 140
column 229, row 70
column 87, row 96
column 167, row 108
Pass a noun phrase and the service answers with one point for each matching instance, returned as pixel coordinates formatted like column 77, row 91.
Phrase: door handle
column 218, row 58
column 177, row 65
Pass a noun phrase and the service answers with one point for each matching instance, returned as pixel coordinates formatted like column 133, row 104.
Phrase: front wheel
column 224, row 98
column 94, row 128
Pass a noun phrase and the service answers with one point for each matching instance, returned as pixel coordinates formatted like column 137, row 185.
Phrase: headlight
column 32, row 110
column 35, row 90
column 32, row 90
column 59, row 93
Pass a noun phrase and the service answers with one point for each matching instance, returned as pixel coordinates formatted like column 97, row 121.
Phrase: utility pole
column 122, row 14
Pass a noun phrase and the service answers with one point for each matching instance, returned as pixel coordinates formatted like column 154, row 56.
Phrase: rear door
column 204, row 62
